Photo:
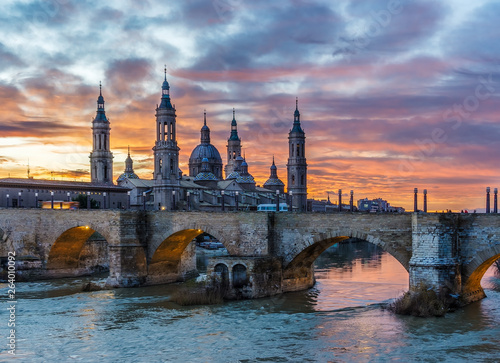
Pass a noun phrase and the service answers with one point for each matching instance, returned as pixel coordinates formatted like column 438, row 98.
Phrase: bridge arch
column 474, row 271
column 167, row 257
column 301, row 264
column 66, row 252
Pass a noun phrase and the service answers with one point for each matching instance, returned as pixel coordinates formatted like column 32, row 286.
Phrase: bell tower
column 233, row 147
column 101, row 158
column 166, row 151
column 297, row 166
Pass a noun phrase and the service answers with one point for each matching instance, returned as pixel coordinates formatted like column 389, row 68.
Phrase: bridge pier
column 127, row 265
column 434, row 262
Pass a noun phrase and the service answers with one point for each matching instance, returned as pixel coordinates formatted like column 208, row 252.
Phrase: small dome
column 127, row 176
column 205, row 175
column 165, row 85
column 244, row 163
column 274, row 182
column 239, row 158
column 244, row 179
column 205, row 160
column 233, row 175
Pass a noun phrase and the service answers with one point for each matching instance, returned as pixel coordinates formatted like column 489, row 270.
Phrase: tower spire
column 205, row 117
column 100, row 88
column 165, row 72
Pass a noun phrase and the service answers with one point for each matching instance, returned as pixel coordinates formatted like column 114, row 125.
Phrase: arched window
column 240, row 277
column 222, row 274
column 298, row 150
column 160, row 164
column 293, row 179
column 301, row 179
column 171, row 165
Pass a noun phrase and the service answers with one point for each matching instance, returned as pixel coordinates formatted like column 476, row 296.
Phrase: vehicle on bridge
column 272, row 207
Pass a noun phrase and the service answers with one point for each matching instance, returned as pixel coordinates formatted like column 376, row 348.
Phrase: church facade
column 204, row 187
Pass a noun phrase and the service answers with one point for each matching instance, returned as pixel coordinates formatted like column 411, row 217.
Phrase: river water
column 341, row 319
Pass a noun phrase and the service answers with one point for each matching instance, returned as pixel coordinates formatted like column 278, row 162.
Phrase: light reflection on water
column 339, row 320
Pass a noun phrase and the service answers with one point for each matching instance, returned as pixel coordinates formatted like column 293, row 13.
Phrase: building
column 377, row 205
column 31, row 193
column 204, row 188
column 101, row 158
column 205, row 150
column 297, row 165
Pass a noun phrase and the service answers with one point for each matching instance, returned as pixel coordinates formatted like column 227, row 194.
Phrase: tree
column 82, row 199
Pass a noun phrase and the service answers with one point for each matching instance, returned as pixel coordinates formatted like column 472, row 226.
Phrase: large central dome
column 205, row 150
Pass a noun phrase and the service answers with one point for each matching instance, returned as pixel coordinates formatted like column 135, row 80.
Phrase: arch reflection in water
column 357, row 273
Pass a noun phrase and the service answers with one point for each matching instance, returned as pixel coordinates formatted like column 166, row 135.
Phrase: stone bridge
column 275, row 250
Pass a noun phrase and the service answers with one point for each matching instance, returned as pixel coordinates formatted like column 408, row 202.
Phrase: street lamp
column 188, row 194
column 340, row 200
column 52, row 200
column 144, row 200
column 128, row 195
column 104, row 195
column 236, row 199
column 351, row 202
column 487, row 199
column 69, row 195
column 88, row 200
column 173, row 199
column 425, row 200
column 19, row 204
column 277, row 200
column 8, row 200
column 36, row 200
column 291, row 200
column 222, row 194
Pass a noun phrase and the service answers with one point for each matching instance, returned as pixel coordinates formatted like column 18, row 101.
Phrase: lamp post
column 128, row 197
column 487, row 199
column 52, row 200
column 68, row 194
column 19, row 203
column 351, row 201
column 173, row 199
column 277, row 200
column 222, row 195
column 415, row 201
column 425, row 200
column 36, row 200
column 291, row 200
column 236, row 199
column 8, row 200
column 144, row 200
column 104, row 195
column 340, row 200
column 495, row 200
column 188, row 195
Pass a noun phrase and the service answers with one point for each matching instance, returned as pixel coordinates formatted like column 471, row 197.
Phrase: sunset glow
column 393, row 95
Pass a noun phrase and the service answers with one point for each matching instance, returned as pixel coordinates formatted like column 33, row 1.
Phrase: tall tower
column 297, row 166
column 166, row 151
column 233, row 147
column 101, row 158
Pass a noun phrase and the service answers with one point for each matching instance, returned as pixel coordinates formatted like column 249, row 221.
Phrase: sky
column 393, row 95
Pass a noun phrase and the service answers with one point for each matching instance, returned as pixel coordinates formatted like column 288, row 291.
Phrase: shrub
column 425, row 302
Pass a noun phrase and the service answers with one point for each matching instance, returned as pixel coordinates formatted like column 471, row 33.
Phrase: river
column 341, row 319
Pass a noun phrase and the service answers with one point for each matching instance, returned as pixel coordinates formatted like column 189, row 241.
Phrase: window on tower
column 171, row 166
column 293, row 179
column 298, row 150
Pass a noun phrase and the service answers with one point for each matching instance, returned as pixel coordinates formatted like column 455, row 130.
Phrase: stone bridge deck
column 444, row 250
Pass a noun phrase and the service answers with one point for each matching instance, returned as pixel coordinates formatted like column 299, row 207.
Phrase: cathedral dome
column 205, row 151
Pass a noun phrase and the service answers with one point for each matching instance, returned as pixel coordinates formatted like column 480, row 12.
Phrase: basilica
column 208, row 184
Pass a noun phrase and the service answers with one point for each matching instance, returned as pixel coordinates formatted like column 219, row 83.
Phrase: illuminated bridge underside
column 442, row 250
